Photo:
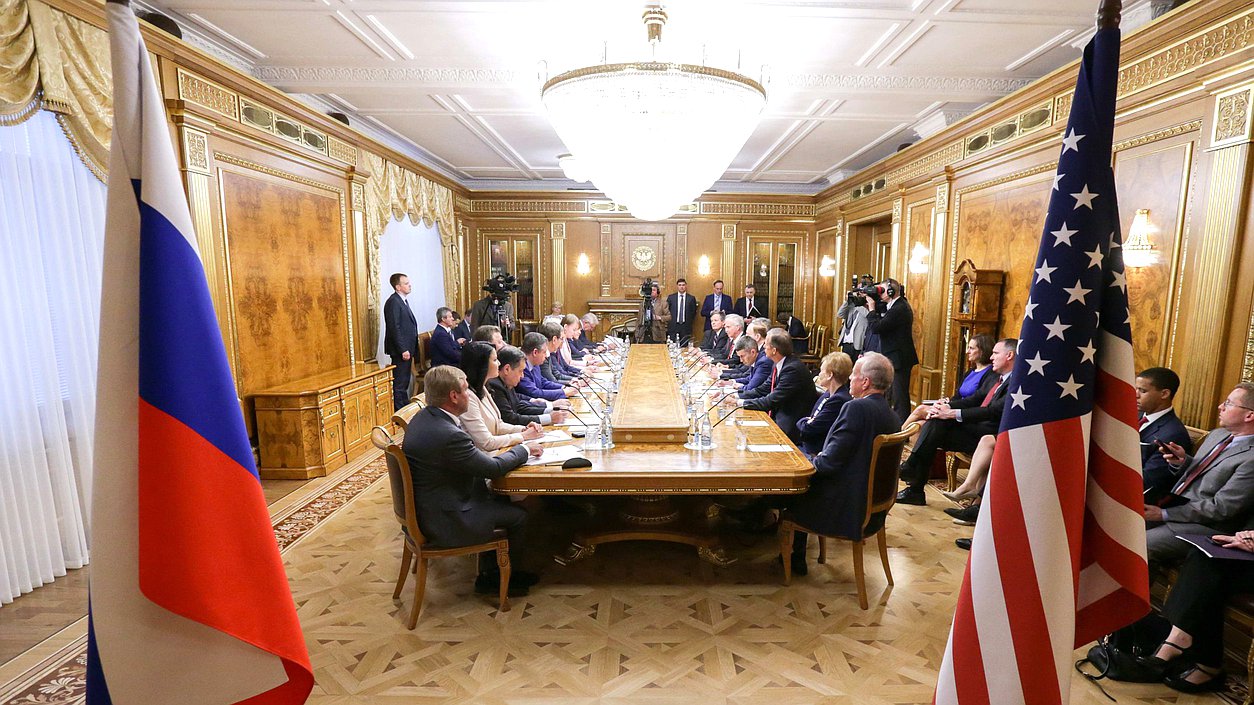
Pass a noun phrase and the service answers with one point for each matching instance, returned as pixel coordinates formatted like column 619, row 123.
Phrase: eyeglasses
column 1225, row 403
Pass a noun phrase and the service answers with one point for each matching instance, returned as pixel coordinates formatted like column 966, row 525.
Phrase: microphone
column 577, row 416
column 590, row 406
column 726, row 416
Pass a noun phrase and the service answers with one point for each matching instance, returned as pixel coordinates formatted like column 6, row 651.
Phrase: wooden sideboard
column 313, row 425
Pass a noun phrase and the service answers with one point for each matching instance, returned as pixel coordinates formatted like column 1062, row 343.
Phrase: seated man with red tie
column 791, row 393
column 958, row 425
column 1155, row 391
column 1215, row 492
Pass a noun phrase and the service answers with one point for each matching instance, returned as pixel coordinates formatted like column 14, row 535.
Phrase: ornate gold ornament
column 644, row 258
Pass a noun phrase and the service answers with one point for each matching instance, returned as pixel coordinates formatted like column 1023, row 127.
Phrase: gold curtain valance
column 53, row 61
column 396, row 192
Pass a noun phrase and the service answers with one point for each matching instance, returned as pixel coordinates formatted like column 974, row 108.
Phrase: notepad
column 555, row 456
column 747, row 422
column 769, row 448
column 555, row 436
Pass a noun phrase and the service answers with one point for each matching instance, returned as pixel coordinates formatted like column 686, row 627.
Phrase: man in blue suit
column 444, row 347
column 683, row 313
column 400, row 337
column 1155, row 393
column 835, row 504
column 716, row 302
column 533, row 384
column 758, row 382
column 463, row 332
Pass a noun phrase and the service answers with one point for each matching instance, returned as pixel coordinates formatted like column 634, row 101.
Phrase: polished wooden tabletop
column 635, row 468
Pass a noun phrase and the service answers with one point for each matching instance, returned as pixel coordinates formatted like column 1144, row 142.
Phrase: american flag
column 1058, row 556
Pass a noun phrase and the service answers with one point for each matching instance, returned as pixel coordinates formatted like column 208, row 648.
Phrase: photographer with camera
column 892, row 319
column 495, row 309
column 853, row 314
column 654, row 314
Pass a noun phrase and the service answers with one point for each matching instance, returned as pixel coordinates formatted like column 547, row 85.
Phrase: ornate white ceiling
column 456, row 83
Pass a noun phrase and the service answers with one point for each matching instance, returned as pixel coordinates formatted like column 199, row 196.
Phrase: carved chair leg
column 502, row 564
column 406, row 557
column 883, row 538
column 822, row 548
column 786, row 531
column 859, row 574
column 420, row 589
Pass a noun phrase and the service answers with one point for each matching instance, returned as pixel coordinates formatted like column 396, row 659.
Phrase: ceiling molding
column 964, row 85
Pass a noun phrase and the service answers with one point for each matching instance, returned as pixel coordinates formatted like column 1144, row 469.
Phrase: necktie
column 681, row 308
column 988, row 398
column 774, row 369
column 1143, row 419
column 718, row 302
column 1201, row 467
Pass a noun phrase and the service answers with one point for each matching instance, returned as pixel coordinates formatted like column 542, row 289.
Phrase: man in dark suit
column 454, row 505
column 758, row 382
column 1155, row 392
column 893, row 324
column 462, row 332
column 750, row 306
column 715, row 338
column 400, row 337
column 535, row 348
column 514, row 409
column 683, row 312
column 1215, row 490
column 791, row 393
column 444, row 347
column 835, row 504
column 797, row 331
column 715, row 303
column 959, row 424
column 733, row 328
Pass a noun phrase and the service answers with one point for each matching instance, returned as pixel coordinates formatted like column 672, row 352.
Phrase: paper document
column 747, row 422
column 555, row 456
column 573, row 421
column 555, row 436
column 769, row 448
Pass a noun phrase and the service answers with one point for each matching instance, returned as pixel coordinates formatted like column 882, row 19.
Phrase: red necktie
column 989, row 397
column 1142, row 421
column 1201, row 467
column 773, row 369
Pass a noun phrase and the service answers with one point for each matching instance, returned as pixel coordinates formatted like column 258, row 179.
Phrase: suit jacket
column 714, row 342
column 791, row 398
column 813, row 428
column 835, row 504
column 1221, row 499
column 553, row 372
column 444, row 348
column 708, row 308
column 983, row 419
column 854, row 321
column 727, row 355
column 462, row 330
column 400, row 329
column 534, row 385
column 661, row 318
column 758, row 381
column 448, row 473
column 757, row 310
column 482, row 313
column 800, row 336
column 581, row 345
column 895, row 329
column 683, row 330
column 1158, row 475
column 513, row 409
column 483, row 422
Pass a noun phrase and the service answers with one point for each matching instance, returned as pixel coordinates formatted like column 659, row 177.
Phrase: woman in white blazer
column 482, row 419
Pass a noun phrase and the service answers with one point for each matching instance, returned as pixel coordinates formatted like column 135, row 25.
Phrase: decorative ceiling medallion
column 644, row 258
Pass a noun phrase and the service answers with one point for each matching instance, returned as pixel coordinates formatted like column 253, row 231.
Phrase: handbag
column 1120, row 655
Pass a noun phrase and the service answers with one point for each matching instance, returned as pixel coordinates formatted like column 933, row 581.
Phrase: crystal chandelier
column 653, row 135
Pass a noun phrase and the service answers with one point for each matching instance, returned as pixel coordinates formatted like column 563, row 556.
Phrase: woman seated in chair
column 980, row 355
column 1190, row 659
column 833, row 379
column 482, row 419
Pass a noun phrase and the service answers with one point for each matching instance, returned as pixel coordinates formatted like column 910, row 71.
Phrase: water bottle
column 592, row 436
column 607, row 432
column 707, row 432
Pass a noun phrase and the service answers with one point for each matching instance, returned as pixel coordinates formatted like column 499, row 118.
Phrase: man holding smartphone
column 1156, row 390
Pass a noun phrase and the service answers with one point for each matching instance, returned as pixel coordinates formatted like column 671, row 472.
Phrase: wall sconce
column 827, row 268
column 918, row 258
column 703, row 266
column 582, row 265
column 1138, row 251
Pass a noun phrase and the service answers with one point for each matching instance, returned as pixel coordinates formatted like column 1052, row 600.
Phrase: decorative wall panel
column 286, row 255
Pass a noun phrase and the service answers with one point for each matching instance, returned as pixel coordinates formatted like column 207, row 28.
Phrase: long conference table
column 652, row 471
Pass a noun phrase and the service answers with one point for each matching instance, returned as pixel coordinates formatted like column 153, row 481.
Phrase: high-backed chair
column 423, row 361
column 416, row 546
column 406, row 413
column 881, row 494
column 818, row 343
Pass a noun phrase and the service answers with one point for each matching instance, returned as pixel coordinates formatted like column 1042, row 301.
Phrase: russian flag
column 189, row 602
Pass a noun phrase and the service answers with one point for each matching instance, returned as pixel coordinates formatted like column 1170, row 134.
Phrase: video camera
column 500, row 287
column 861, row 287
column 646, row 289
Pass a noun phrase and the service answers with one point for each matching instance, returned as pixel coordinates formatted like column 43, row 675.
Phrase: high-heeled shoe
column 1210, row 685
column 959, row 496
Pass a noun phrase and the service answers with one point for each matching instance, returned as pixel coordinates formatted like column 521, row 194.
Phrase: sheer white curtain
column 413, row 250
column 51, row 231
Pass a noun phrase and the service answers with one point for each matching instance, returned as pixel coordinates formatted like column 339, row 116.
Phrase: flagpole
column 1108, row 13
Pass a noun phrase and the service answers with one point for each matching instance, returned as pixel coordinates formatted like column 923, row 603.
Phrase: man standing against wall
column 400, row 337
column 715, row 303
column 683, row 310
column 748, row 305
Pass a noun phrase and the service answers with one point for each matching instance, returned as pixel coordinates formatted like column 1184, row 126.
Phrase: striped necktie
column 1201, row 467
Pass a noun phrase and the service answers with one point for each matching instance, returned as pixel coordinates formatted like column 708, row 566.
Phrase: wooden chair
column 881, row 494
column 818, row 343
column 416, row 546
column 405, row 414
column 423, row 362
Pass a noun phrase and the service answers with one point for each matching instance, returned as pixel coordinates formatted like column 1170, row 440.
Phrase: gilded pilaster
column 365, row 269
column 681, row 238
column 605, row 259
column 557, row 232
column 729, row 253
column 895, row 267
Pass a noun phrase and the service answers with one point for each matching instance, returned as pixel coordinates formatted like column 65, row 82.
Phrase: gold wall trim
column 340, row 150
column 557, row 235
column 935, row 161
column 800, row 210
column 1232, row 118
column 195, row 151
column 1209, row 45
column 207, row 94
column 606, row 265
column 529, row 206
column 1166, row 132
column 359, row 196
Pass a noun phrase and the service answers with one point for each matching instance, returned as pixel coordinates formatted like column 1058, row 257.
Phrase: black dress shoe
column 1211, row 685
column 913, row 496
column 964, row 544
column 797, row 563
column 964, row 516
